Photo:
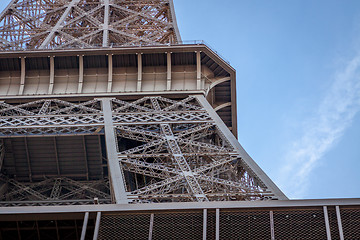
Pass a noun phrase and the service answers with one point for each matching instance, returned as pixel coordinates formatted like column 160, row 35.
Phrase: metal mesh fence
column 300, row 224
column 246, row 224
column 253, row 225
column 124, row 226
column 177, row 225
column 211, row 224
column 351, row 222
column 44, row 229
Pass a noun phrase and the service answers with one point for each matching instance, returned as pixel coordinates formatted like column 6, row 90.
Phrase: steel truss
column 43, row 24
column 54, row 191
column 158, row 149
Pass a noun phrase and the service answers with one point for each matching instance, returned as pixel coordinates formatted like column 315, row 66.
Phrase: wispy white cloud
column 321, row 132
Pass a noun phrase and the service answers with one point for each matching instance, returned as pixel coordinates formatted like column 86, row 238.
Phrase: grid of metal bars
column 245, row 225
column 351, row 222
column 288, row 223
column 304, row 224
column 44, row 229
column 180, row 225
column 124, row 226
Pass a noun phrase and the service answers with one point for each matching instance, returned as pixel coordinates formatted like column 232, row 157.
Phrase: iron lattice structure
column 166, row 150
column 160, row 129
column 52, row 24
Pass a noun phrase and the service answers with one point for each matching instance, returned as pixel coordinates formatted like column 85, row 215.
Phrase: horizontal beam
column 113, row 94
column 181, row 206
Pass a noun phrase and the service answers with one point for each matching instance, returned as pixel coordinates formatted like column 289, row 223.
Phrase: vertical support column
column 151, row 226
column 3, row 188
column 272, row 231
column 115, row 171
column 52, row 75
column 83, row 231
column 97, row 225
column 139, row 58
column 168, row 76
column 338, row 216
column 2, row 154
column 327, row 224
column 106, row 24
column 110, row 72
column 217, row 225
column 81, row 73
column 28, row 158
column 204, row 223
column 22, row 76
column 198, row 70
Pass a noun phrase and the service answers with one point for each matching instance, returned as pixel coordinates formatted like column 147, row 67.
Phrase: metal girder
column 53, row 190
column 115, row 171
column 50, row 117
column 198, row 171
column 49, row 107
column 28, row 25
column 2, row 152
column 163, row 172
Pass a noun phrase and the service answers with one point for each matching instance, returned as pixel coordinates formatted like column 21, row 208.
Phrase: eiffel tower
column 104, row 107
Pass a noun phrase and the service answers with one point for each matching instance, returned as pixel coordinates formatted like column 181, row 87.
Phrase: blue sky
column 298, row 85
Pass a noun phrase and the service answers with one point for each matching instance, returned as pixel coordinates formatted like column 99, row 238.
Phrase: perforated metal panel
column 351, row 223
column 124, row 226
column 188, row 225
column 300, row 224
column 211, row 225
column 245, row 225
column 44, row 229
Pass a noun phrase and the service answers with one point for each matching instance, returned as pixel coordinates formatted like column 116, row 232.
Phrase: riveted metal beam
column 81, row 74
column 115, row 171
column 168, row 71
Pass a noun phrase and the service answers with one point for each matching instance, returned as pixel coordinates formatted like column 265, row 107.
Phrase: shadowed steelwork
column 165, row 150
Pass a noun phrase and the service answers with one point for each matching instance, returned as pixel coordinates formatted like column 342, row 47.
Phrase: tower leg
column 115, row 171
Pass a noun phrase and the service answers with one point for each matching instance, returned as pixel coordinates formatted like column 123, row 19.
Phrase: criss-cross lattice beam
column 198, row 171
column 54, row 189
column 178, row 156
column 179, row 146
column 42, row 24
